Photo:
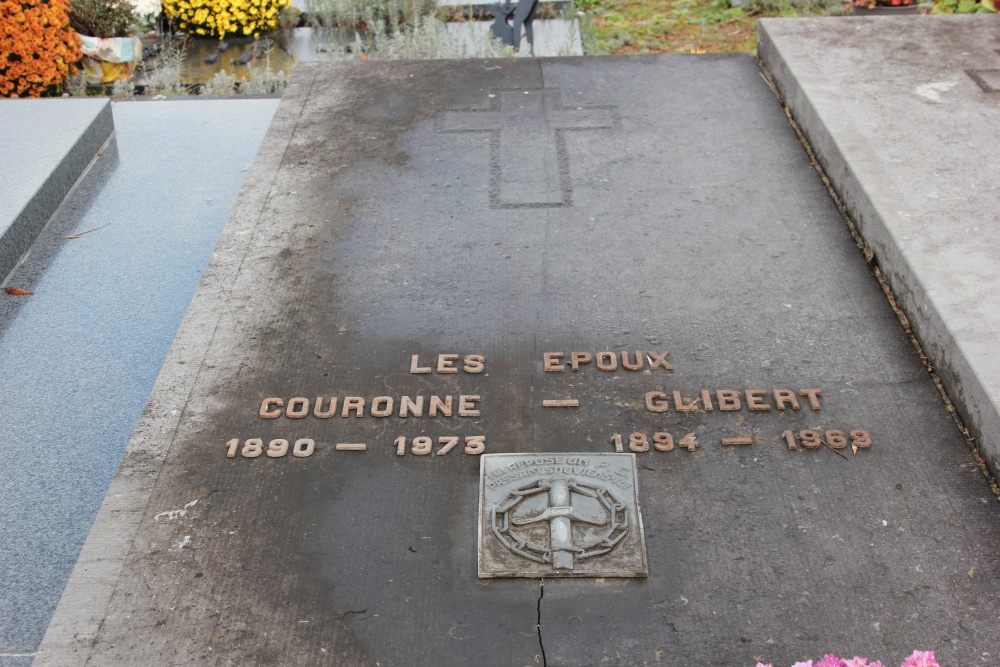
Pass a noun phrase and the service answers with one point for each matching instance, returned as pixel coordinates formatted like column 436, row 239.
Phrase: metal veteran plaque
column 566, row 515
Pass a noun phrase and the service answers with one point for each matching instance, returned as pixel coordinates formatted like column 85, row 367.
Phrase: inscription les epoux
column 469, row 406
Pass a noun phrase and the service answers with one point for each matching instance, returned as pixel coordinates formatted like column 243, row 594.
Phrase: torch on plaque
column 566, row 515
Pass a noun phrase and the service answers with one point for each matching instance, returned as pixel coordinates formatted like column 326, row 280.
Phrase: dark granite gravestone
column 431, row 261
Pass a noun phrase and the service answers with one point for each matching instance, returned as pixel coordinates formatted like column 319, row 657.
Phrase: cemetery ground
column 382, row 220
column 621, row 27
column 184, row 64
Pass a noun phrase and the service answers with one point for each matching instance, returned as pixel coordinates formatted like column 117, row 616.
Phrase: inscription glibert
column 757, row 400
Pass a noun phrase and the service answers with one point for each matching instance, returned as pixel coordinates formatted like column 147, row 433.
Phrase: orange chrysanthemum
column 37, row 46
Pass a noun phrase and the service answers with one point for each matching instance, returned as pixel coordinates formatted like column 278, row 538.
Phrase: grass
column 622, row 27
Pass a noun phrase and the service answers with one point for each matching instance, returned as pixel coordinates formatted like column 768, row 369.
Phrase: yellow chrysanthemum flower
column 222, row 17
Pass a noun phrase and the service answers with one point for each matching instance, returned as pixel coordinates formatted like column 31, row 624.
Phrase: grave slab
column 902, row 114
column 674, row 283
column 47, row 145
column 79, row 357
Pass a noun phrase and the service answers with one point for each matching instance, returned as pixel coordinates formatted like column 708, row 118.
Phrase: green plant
column 352, row 13
column 76, row 84
column 164, row 78
column 289, row 17
column 221, row 84
column 122, row 90
column 590, row 40
column 102, row 18
column 421, row 38
column 262, row 80
column 964, row 7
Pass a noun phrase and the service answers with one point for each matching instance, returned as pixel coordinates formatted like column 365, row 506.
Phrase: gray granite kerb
column 47, row 146
column 901, row 114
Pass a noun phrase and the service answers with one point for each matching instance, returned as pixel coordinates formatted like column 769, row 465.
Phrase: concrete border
column 22, row 231
column 956, row 347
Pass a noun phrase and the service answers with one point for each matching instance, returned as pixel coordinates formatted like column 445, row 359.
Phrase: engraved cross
column 529, row 164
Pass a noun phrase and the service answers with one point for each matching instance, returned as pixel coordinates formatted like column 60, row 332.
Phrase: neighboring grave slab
column 902, row 114
column 46, row 146
column 304, row 486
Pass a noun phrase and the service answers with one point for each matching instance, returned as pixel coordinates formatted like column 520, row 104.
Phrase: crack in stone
column 541, row 594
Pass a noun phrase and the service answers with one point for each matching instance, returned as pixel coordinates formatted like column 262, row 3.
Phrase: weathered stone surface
column 903, row 115
column 677, row 230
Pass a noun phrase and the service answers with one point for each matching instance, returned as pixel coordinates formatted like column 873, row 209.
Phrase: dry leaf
column 76, row 236
column 17, row 291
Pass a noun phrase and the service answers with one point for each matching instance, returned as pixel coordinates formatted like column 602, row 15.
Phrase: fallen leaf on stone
column 76, row 236
column 17, row 291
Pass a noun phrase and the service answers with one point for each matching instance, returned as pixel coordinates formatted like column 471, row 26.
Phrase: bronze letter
column 446, row 363
column 415, row 367
column 386, row 406
column 577, row 358
column 297, row 408
column 551, row 363
column 467, row 406
column 474, row 363
column 355, row 403
column 637, row 366
column 755, row 400
column 656, row 401
column 813, row 396
column 318, row 408
column 607, row 361
column 658, row 361
column 408, row 406
column 437, row 405
column 681, row 407
column 785, row 396
column 728, row 400
column 266, row 412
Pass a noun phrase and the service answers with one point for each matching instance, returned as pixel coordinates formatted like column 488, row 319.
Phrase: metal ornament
column 508, row 19
column 560, row 515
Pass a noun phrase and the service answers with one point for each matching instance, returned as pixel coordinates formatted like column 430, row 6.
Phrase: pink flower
column 921, row 659
column 862, row 662
column 830, row 660
column 803, row 664
column 761, row 664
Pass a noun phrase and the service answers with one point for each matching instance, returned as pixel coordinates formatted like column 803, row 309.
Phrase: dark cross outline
column 977, row 76
column 562, row 155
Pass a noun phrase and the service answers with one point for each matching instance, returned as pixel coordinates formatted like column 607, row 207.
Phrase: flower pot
column 106, row 60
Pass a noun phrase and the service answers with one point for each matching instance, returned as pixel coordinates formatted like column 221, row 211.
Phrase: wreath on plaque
column 503, row 521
